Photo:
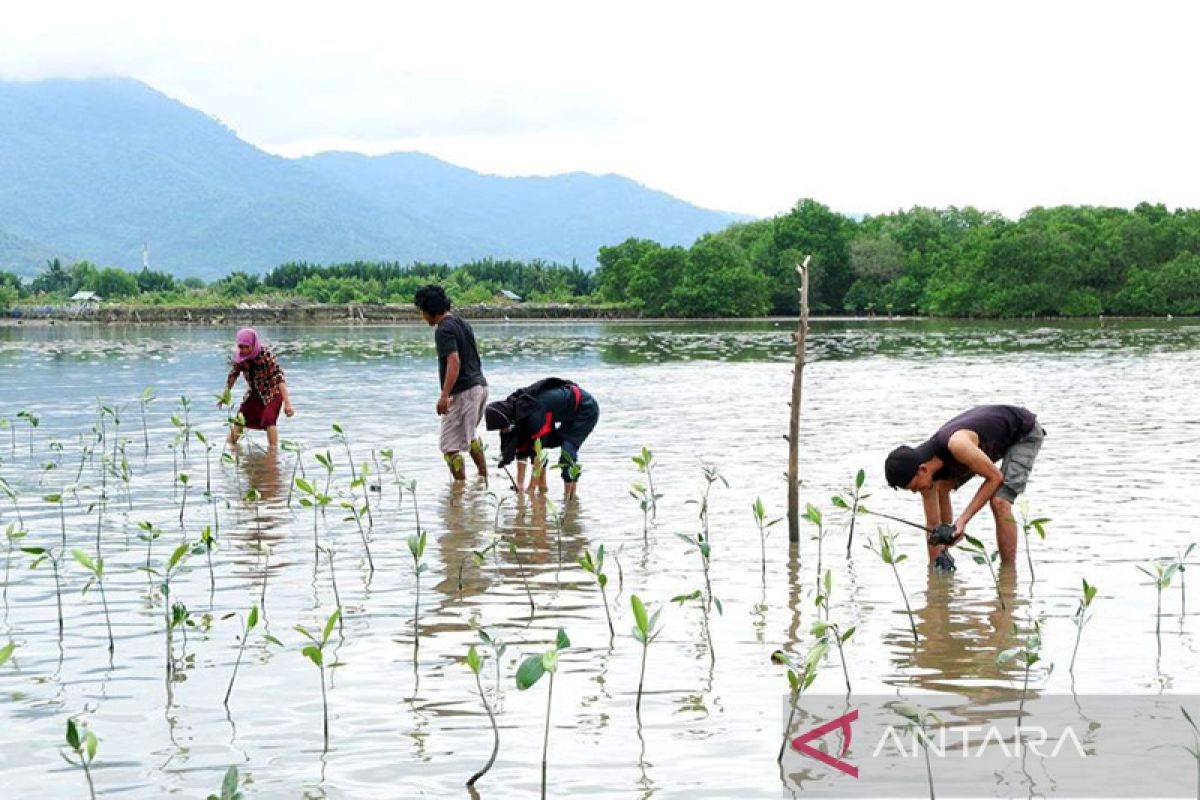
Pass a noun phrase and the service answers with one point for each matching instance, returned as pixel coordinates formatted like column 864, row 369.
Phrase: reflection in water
column 1081, row 375
column 963, row 627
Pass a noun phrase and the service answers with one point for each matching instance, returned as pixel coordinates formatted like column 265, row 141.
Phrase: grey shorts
column 1018, row 463
column 462, row 418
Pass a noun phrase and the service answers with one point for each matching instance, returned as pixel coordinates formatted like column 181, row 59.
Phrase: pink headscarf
column 247, row 336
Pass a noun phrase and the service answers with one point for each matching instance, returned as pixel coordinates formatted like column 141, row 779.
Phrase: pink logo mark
column 801, row 743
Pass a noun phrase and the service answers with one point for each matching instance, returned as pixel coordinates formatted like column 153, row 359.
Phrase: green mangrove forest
column 1070, row 261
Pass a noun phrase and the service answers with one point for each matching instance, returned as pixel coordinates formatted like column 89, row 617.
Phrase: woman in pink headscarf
column 268, row 392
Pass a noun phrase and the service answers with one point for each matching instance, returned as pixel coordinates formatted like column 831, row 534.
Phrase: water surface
column 1116, row 477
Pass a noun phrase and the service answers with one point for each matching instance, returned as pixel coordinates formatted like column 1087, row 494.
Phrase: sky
column 867, row 107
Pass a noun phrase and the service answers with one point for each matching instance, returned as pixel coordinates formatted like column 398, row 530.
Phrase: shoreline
column 365, row 314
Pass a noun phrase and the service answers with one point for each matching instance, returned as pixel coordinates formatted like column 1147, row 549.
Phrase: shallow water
column 1116, row 477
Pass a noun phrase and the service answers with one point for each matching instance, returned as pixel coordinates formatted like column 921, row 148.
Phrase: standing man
column 966, row 446
column 464, row 389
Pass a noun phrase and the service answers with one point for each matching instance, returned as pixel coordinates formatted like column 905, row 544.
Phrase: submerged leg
column 455, row 462
column 476, row 450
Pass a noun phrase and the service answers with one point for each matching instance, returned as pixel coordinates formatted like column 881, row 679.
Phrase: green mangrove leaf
column 530, row 671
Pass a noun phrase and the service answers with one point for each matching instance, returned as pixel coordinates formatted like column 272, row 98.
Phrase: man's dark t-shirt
column 454, row 335
column 998, row 427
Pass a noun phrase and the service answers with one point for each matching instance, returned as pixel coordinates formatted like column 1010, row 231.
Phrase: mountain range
column 92, row 169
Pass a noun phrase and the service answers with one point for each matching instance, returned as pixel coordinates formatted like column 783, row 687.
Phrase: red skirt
column 258, row 416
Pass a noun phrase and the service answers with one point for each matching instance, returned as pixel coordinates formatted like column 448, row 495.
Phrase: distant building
column 84, row 303
column 512, row 297
column 86, row 298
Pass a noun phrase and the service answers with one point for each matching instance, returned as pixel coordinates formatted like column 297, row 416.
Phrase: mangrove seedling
column 639, row 492
column 355, row 478
column 416, row 548
column 33, row 421
column 389, row 458
column 185, row 405
column 168, row 572
column 498, row 648
column 208, row 448
column 412, row 490
column 645, row 465
column 146, row 399
column 229, row 787
column 813, row 515
column 12, row 432
column 290, row 446
column 800, row 676
column 96, row 568
column 980, row 555
column 326, row 461
column 248, row 626
column 475, row 663
column 760, row 519
column 853, row 504
column 11, row 494
column 1036, row 525
column 645, row 630
column 700, row 542
column 711, row 476
column 593, row 564
column 57, row 499
column 183, row 478
column 181, row 618
column 1160, row 571
column 1181, row 559
column 83, row 744
column 6, row 652
column 316, row 501
column 886, row 550
column 41, row 554
column 254, row 497
column 356, row 514
column 827, row 631
column 315, row 652
column 918, row 719
column 148, row 534
column 530, row 672
column 337, row 596
column 1082, row 617
column 1029, row 652
column 206, row 544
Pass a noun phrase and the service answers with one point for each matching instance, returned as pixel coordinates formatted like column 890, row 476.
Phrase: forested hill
column 94, row 168
column 955, row 262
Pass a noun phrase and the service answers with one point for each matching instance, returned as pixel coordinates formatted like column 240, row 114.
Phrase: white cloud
column 747, row 107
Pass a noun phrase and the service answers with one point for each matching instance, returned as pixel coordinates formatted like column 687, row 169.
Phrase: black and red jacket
column 530, row 414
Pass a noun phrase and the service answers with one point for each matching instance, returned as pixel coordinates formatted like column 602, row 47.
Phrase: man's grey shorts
column 1018, row 463
column 462, row 418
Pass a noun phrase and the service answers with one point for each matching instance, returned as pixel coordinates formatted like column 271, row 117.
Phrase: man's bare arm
column 964, row 446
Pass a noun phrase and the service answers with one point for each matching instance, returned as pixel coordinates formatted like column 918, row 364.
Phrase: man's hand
column 443, row 405
column 960, row 529
column 287, row 409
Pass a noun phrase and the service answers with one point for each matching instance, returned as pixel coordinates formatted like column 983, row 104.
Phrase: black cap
column 901, row 466
column 495, row 418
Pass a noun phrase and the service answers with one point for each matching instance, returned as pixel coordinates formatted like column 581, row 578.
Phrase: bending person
column 964, row 447
column 268, row 392
column 550, row 413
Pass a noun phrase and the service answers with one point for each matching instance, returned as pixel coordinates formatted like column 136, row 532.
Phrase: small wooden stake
column 793, row 474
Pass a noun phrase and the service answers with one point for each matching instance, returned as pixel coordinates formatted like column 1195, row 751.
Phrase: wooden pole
column 793, row 475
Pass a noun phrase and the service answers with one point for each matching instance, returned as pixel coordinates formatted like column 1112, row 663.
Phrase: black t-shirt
column 998, row 428
column 454, row 335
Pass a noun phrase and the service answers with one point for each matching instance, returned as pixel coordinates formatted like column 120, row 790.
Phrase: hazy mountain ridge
column 97, row 167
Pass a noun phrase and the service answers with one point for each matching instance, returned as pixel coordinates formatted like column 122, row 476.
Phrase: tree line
column 953, row 262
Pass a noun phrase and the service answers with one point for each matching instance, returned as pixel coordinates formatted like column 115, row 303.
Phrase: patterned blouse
column 263, row 373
